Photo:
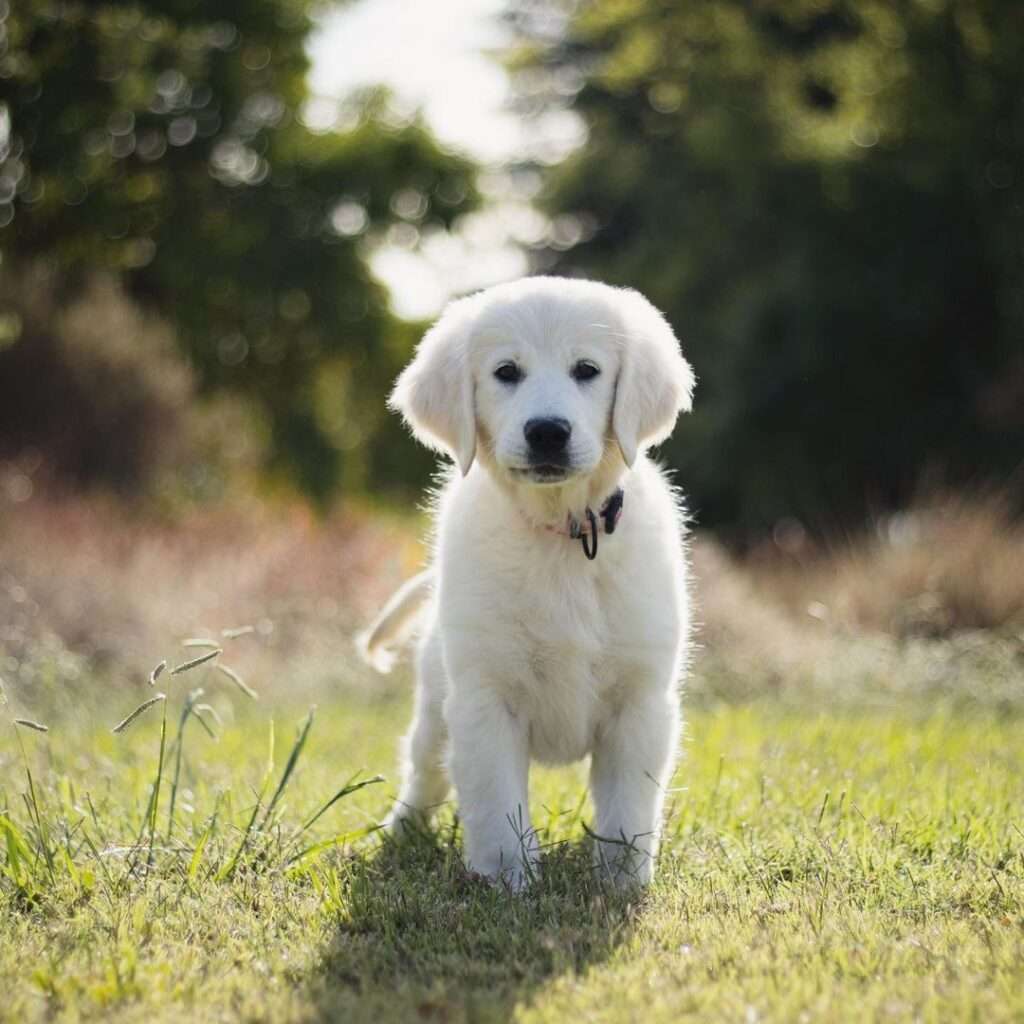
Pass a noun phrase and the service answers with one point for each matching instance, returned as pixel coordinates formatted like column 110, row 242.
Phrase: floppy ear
column 655, row 382
column 434, row 393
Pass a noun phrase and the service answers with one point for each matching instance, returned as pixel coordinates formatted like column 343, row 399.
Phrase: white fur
column 530, row 650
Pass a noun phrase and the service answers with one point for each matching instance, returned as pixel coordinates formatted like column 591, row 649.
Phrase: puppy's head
column 541, row 377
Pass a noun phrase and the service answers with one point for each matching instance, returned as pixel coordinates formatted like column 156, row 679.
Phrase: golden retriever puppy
column 554, row 617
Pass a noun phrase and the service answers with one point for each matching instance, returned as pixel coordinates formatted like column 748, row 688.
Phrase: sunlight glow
column 437, row 58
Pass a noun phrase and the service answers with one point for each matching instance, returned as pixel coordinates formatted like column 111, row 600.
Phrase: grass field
column 845, row 837
column 817, row 865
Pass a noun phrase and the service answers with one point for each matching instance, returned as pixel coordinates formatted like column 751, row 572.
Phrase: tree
column 167, row 143
column 827, row 198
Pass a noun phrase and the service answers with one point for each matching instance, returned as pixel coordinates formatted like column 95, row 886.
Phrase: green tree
column 827, row 197
column 165, row 140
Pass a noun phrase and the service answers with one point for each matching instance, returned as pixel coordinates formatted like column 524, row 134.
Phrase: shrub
column 97, row 393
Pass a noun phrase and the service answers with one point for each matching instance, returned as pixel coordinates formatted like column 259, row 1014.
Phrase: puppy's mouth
column 544, row 473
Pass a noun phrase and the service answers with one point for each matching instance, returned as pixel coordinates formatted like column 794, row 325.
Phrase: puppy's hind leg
column 424, row 781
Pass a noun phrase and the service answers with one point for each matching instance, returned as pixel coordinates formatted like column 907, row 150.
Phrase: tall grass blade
column 98, row 858
column 137, row 845
column 179, row 742
column 293, row 757
column 349, row 787
column 197, row 854
column 73, row 873
column 229, row 869
column 35, row 815
column 326, row 844
column 156, row 788
column 19, row 853
column 271, row 748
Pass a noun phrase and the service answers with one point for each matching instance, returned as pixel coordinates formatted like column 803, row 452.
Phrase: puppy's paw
column 517, row 879
column 405, row 821
column 627, row 867
column 515, row 876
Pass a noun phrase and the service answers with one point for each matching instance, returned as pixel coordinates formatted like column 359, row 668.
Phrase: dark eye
column 585, row 370
column 508, row 373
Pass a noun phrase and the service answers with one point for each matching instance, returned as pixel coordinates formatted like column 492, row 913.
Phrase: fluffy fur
column 529, row 650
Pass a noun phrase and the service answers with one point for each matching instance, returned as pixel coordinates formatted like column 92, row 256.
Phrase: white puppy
column 555, row 628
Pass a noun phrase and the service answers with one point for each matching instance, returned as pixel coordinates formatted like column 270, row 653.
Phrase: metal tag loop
column 591, row 551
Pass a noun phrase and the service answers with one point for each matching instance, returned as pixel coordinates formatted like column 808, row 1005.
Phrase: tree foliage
column 165, row 140
column 827, row 197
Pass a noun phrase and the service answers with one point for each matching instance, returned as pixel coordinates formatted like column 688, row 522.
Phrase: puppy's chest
column 565, row 680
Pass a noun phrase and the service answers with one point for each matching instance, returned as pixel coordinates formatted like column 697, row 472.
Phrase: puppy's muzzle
column 547, row 439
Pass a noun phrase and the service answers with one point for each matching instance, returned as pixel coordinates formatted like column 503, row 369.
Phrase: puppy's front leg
column 490, row 768
column 630, row 768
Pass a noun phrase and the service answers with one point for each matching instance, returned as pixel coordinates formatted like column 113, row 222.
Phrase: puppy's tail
column 395, row 624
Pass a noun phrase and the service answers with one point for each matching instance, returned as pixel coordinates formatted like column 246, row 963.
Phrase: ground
column 817, row 865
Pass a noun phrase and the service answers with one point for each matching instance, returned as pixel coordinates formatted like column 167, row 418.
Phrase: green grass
column 836, row 865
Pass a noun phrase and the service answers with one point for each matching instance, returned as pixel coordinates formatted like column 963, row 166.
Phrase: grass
column 840, row 865
column 845, row 838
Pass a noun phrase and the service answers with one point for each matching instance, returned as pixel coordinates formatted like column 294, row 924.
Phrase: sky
column 434, row 56
column 431, row 53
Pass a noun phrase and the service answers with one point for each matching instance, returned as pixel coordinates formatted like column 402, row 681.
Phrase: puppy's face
column 543, row 376
column 543, row 399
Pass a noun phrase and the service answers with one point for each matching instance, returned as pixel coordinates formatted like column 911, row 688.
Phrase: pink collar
column 610, row 514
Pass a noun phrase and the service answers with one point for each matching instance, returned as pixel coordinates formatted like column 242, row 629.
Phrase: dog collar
column 586, row 532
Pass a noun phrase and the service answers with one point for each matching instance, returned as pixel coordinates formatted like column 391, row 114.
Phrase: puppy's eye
column 508, row 373
column 585, row 370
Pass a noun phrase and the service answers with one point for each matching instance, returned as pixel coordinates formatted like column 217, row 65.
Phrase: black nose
column 547, row 436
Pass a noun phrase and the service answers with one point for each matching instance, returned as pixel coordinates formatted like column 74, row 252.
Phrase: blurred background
column 223, row 227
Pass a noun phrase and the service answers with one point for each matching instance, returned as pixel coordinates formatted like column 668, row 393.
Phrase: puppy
column 555, row 619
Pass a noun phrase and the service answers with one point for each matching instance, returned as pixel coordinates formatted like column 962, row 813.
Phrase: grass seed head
column 29, row 724
column 209, row 709
column 238, row 681
column 195, row 662
column 141, row 709
column 157, row 673
column 233, row 634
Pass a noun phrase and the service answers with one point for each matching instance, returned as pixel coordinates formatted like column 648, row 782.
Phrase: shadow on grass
column 417, row 938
